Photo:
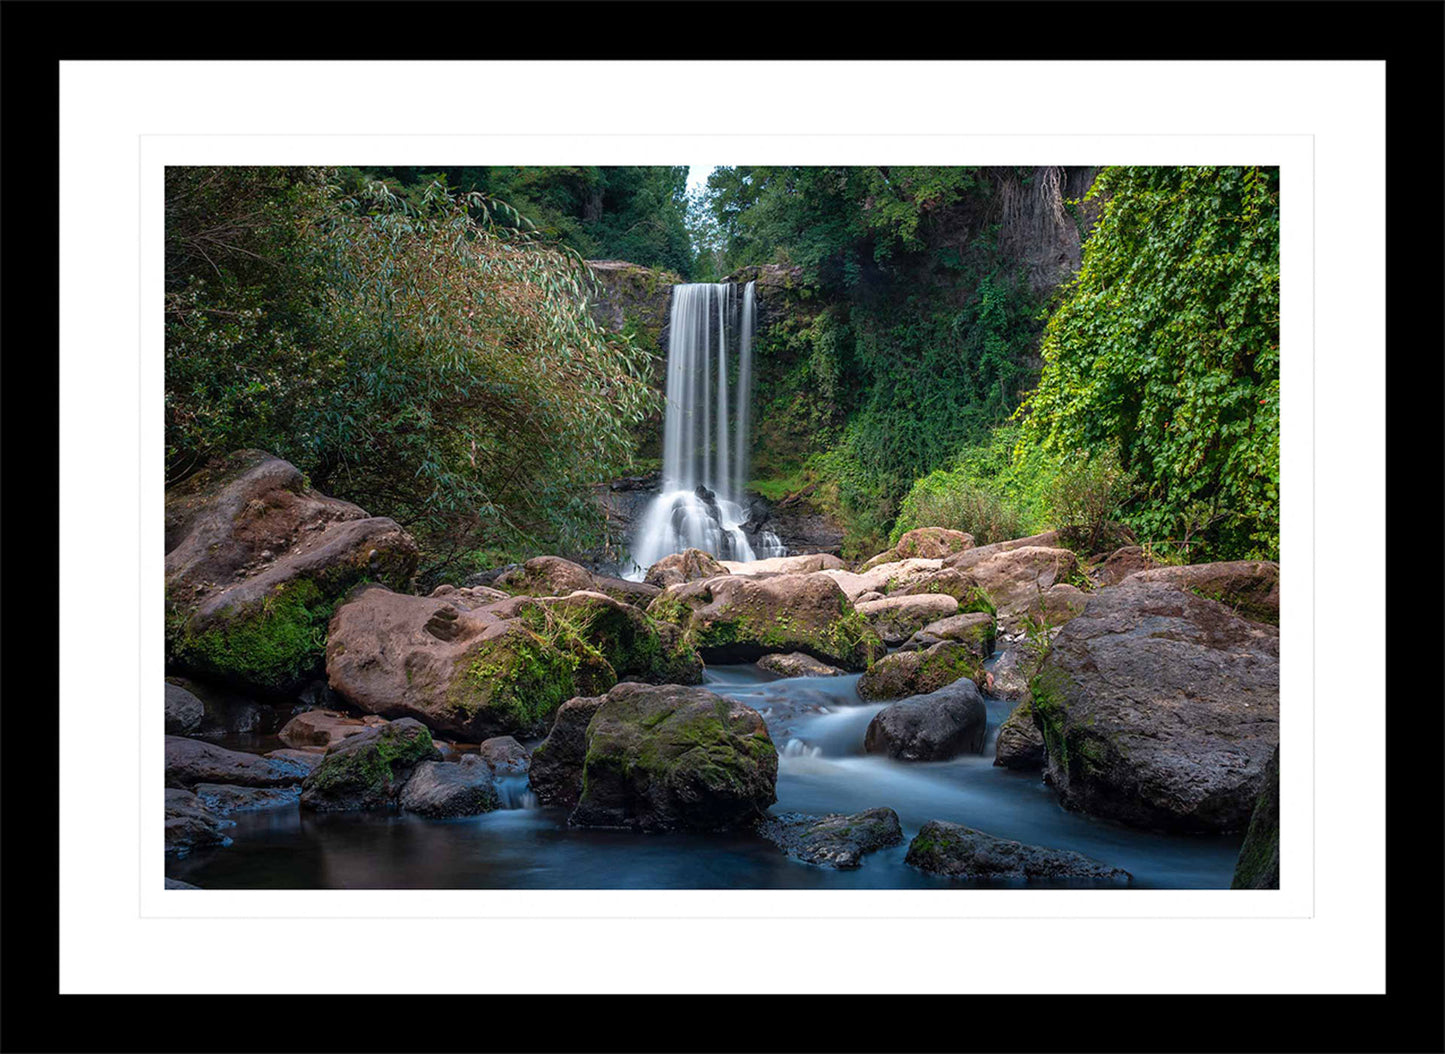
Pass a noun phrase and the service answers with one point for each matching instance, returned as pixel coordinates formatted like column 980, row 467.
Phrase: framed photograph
column 538, row 524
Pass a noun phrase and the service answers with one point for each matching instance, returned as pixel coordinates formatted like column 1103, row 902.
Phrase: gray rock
column 224, row 799
column 797, row 664
column 1020, row 744
column 1160, row 708
column 190, row 825
column 932, row 727
column 505, row 755
column 368, row 770
column 834, row 840
column 951, row 849
column 555, row 774
column 192, row 761
column 184, row 712
column 441, row 789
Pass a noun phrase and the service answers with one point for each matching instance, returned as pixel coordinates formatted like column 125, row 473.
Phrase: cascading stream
column 705, row 438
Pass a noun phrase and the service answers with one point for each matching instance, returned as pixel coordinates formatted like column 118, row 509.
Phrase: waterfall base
column 698, row 519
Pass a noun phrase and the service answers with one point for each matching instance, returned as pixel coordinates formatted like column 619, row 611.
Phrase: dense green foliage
column 1165, row 354
column 633, row 213
column 412, row 356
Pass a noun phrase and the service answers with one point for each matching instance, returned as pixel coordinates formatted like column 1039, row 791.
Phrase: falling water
column 705, row 431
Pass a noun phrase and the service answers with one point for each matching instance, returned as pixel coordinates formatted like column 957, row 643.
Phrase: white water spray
column 705, row 437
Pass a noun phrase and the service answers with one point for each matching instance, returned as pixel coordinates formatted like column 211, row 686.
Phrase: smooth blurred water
column 818, row 724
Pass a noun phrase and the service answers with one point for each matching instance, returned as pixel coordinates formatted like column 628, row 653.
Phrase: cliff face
column 1040, row 226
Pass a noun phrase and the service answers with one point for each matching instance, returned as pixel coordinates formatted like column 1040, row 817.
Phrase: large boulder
column 896, row 618
column 974, row 629
column 1020, row 744
column 445, row 789
column 477, row 667
column 552, row 576
column 1057, row 604
column 979, row 553
column 946, row 581
column 1014, row 578
column 801, row 564
column 1119, row 565
column 193, row 761
column 835, row 840
column 256, row 560
column 686, row 566
column 796, row 664
column 1258, row 864
column 892, row 577
column 1249, row 587
column 932, row 727
column 555, row 775
column 1160, row 708
column 184, row 711
column 668, row 757
column 950, row 849
column 368, row 771
column 932, row 543
column 740, row 618
column 920, row 671
column 190, row 825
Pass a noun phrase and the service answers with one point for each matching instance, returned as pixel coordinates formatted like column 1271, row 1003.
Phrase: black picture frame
column 1407, row 36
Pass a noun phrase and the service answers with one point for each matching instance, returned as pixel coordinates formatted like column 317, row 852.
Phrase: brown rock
column 1249, row 587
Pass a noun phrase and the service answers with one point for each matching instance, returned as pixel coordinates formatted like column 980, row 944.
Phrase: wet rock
column 796, row 664
column 932, row 727
column 1250, row 588
column 555, row 773
column 1160, row 708
column 505, row 755
column 368, row 770
column 674, row 758
column 224, row 798
column 951, row 849
column 1258, row 864
column 320, row 728
column 686, row 566
column 738, row 618
column 920, row 671
column 309, row 759
column 895, row 618
column 184, row 711
column 444, row 789
column 192, row 761
column 1020, row 744
column 190, row 825
column 255, row 560
column 834, row 840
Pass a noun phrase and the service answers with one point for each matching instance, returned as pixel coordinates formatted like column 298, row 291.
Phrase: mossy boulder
column 256, row 559
column 946, row 581
column 368, row 771
column 934, row 727
column 1258, row 864
column 1020, row 744
column 956, row 851
column 467, row 664
column 835, row 840
column 674, row 758
column 1160, row 709
column 555, row 774
column 918, row 672
column 736, row 618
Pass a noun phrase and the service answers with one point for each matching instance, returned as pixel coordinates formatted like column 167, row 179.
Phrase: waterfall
column 705, row 438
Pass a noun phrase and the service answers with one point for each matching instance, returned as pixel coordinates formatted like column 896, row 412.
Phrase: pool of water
column 818, row 725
